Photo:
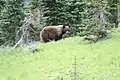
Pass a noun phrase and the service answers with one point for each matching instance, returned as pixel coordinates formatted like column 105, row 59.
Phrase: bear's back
column 53, row 29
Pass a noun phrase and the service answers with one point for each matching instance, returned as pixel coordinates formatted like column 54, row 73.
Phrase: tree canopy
column 86, row 17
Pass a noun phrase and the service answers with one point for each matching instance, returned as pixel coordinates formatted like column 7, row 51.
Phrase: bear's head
column 66, row 29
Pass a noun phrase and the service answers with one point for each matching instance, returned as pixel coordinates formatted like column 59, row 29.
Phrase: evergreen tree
column 10, row 19
column 85, row 17
column 113, row 10
column 67, row 12
column 95, row 23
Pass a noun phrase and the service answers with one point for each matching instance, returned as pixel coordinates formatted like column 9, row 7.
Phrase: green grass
column 55, row 61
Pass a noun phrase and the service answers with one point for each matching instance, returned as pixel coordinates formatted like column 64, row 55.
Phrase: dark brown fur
column 50, row 33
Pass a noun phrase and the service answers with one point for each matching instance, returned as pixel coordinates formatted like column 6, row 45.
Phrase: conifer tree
column 11, row 17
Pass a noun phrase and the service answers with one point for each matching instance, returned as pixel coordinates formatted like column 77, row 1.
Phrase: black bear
column 50, row 33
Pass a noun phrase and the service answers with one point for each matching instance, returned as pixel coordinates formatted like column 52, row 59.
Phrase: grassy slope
column 99, row 61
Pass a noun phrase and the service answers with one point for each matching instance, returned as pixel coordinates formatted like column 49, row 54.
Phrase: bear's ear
column 63, row 26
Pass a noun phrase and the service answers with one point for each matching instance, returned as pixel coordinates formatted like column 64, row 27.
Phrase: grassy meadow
column 67, row 59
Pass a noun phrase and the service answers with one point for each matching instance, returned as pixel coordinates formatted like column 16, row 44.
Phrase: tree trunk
column 23, row 35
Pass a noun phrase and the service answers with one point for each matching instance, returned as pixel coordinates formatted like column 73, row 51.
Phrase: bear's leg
column 45, row 37
column 58, row 38
column 51, row 37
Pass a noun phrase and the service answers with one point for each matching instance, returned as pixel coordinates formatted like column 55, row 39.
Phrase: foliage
column 112, row 7
column 11, row 17
column 85, row 17
column 67, row 12
column 95, row 21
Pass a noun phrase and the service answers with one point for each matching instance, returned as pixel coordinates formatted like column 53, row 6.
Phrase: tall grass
column 56, row 60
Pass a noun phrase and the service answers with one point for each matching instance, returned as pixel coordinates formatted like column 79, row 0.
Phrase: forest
column 89, row 51
column 24, row 19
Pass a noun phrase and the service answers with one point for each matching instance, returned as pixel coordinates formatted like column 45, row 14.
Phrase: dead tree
column 23, row 34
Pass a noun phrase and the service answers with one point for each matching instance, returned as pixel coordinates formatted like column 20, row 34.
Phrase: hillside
column 63, row 60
